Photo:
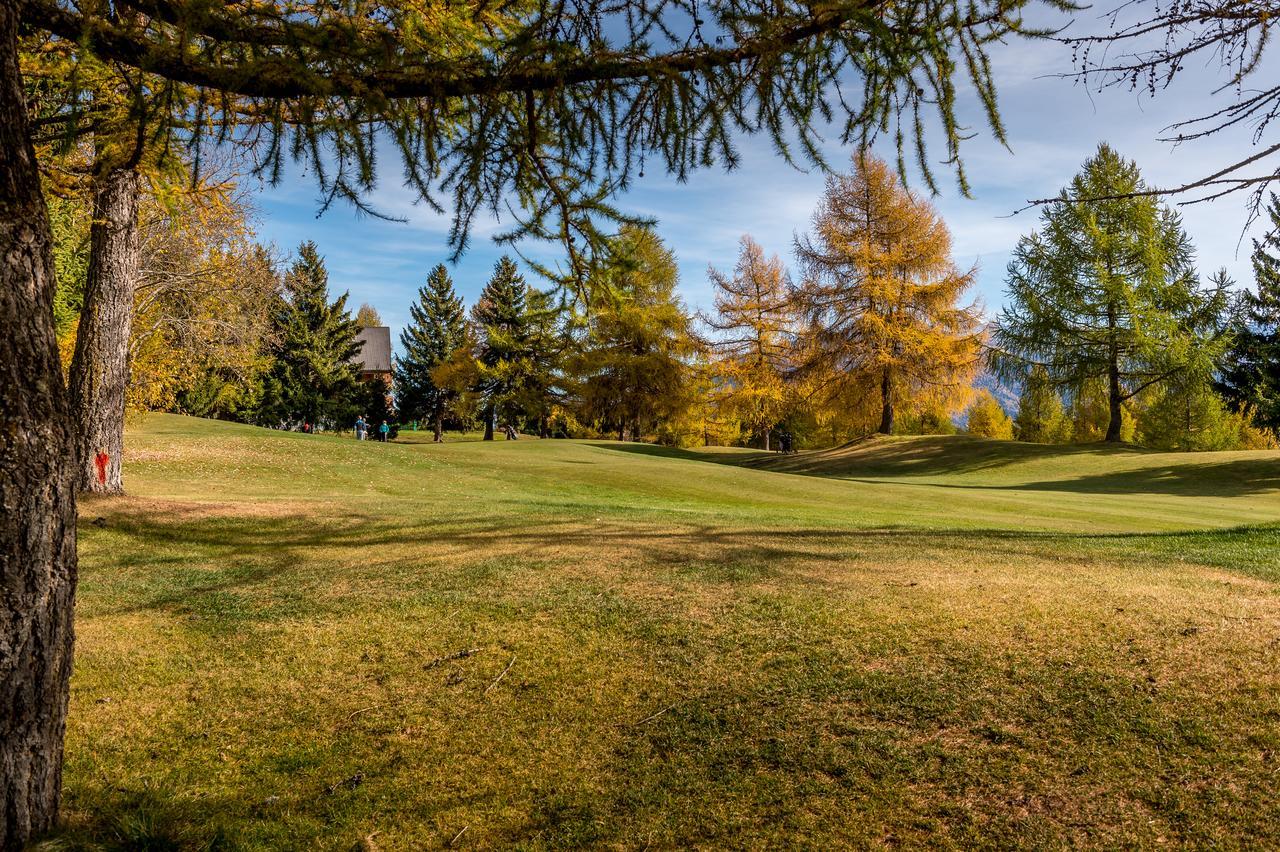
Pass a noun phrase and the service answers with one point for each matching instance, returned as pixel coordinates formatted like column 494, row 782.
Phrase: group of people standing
column 363, row 427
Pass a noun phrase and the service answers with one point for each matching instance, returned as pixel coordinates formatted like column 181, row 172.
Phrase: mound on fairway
column 298, row 641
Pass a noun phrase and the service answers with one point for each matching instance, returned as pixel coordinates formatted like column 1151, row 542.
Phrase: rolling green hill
column 298, row 641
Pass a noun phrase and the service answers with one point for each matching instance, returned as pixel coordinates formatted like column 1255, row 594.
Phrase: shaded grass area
column 549, row 645
column 959, row 461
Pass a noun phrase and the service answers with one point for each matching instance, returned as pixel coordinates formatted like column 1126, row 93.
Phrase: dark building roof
column 375, row 353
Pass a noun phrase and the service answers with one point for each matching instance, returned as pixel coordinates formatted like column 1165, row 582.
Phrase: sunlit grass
column 291, row 641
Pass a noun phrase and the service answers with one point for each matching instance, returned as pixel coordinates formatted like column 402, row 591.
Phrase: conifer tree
column 437, row 328
column 1106, row 291
column 367, row 316
column 755, row 322
column 632, row 370
column 1250, row 378
column 1040, row 418
column 1189, row 415
column 502, row 323
column 537, row 390
column 313, row 377
column 985, row 418
column 881, row 296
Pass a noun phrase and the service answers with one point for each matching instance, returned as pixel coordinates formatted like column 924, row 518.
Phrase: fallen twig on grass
column 447, row 658
column 459, row 834
column 653, row 716
column 501, row 676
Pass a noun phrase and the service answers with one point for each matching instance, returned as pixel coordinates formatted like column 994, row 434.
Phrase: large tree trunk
column 100, row 367
column 37, row 495
column 766, row 439
column 488, row 423
column 1113, row 379
column 1115, row 399
column 886, row 400
column 439, row 427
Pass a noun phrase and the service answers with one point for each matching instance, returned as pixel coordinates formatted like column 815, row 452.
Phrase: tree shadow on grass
column 690, row 749
column 1235, row 477
column 233, row 567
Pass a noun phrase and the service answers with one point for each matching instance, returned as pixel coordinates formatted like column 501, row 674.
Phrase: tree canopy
column 313, row 377
column 631, row 367
column 1251, row 375
column 544, row 110
column 1107, row 291
column 437, row 329
column 754, row 325
column 881, row 296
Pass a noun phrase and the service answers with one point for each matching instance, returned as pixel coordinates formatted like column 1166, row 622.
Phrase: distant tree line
column 1108, row 333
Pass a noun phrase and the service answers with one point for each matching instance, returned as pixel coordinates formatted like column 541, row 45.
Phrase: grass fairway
column 292, row 641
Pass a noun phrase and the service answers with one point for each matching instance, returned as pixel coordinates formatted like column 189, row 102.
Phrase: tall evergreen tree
column 501, row 316
column 313, row 377
column 537, row 387
column 1106, row 290
column 632, row 370
column 1250, row 377
column 437, row 328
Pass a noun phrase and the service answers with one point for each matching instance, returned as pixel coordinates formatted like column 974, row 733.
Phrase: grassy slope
column 925, row 638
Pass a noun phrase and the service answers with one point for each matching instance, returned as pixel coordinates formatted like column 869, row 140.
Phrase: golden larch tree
column 755, row 327
column 986, row 419
column 881, row 299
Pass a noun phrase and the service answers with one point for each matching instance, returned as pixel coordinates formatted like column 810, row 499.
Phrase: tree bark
column 886, row 398
column 1114, row 390
column 488, row 423
column 1115, row 399
column 439, row 427
column 37, row 494
column 100, row 366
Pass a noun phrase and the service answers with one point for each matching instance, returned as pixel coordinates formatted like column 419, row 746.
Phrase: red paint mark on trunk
column 100, row 461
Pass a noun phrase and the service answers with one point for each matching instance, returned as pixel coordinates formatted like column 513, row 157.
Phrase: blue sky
column 1053, row 125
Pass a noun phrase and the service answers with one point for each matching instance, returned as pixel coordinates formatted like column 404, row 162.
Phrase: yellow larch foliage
column 886, row 327
column 755, row 325
column 986, row 419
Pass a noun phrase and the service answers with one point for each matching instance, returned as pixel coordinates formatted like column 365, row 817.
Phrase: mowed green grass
column 290, row 641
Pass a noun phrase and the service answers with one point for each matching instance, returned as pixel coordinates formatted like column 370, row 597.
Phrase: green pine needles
column 313, row 376
column 1251, row 376
column 1106, row 291
column 437, row 329
column 546, row 111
